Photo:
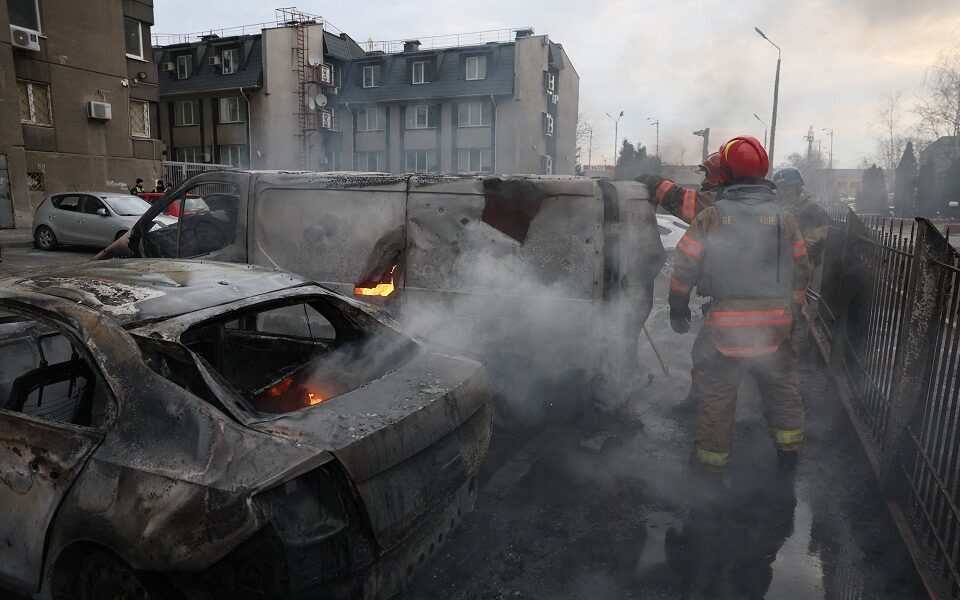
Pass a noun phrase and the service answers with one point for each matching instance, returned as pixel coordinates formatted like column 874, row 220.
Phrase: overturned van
column 544, row 278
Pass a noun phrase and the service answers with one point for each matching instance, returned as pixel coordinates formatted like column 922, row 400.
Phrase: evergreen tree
column 904, row 198
column 633, row 161
column 872, row 197
column 927, row 201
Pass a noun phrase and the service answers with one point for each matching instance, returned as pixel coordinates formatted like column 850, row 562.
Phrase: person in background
column 137, row 188
column 160, row 188
column 814, row 222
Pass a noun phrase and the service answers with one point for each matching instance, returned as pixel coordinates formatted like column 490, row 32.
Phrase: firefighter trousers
column 719, row 380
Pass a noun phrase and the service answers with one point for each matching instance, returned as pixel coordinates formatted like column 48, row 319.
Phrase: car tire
column 105, row 575
column 120, row 234
column 44, row 238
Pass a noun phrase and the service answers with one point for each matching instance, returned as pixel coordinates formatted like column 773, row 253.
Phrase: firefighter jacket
column 814, row 224
column 748, row 254
column 686, row 204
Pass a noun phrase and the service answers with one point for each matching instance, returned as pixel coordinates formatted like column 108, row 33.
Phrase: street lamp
column 616, row 134
column 776, row 94
column 830, row 133
column 657, row 124
column 705, row 134
column 764, row 129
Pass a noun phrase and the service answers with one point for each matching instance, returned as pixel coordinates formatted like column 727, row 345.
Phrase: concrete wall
column 81, row 58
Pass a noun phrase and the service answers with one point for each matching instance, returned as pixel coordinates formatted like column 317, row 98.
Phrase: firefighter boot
column 787, row 459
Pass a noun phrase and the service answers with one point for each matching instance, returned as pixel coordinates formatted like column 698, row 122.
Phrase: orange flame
column 314, row 398
column 381, row 289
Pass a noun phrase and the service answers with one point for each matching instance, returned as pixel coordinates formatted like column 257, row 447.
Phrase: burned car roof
column 134, row 291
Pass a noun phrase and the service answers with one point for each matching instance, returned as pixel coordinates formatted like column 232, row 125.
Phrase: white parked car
column 671, row 230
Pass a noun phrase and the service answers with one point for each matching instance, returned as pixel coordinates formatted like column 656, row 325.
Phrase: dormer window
column 229, row 61
column 183, row 66
column 371, row 76
column 476, row 68
column 420, row 72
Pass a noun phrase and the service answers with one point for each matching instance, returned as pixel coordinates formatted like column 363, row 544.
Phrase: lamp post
column 657, row 124
column 764, row 129
column 705, row 134
column 616, row 134
column 776, row 94
column 830, row 133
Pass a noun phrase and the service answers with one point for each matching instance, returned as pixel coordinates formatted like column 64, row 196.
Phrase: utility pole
column 830, row 133
column 616, row 134
column 809, row 138
column 776, row 94
column 590, row 148
column 705, row 134
column 764, row 129
column 657, row 124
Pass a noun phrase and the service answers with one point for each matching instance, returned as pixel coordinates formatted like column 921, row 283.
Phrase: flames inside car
column 281, row 359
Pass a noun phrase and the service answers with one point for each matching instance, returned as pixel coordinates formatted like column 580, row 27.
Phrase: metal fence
column 885, row 317
column 178, row 172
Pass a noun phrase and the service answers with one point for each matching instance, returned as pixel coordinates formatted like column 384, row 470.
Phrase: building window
column 549, row 81
column 548, row 124
column 421, row 161
column 232, row 110
column 190, row 154
column 233, row 155
column 133, row 33
column 229, row 61
column 372, row 119
column 420, row 72
column 24, row 13
column 34, row 103
column 473, row 114
column 185, row 113
column 371, row 76
column 35, row 182
column 373, row 161
column 139, row 118
column 546, row 164
column 474, row 160
column 476, row 68
column 184, row 64
column 421, row 116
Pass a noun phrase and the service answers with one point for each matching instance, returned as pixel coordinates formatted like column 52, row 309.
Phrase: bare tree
column 584, row 137
column 939, row 109
column 890, row 141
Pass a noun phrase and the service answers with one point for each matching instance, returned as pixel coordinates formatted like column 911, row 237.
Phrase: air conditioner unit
column 548, row 125
column 325, row 73
column 547, row 161
column 169, row 67
column 25, row 39
column 101, row 111
column 549, row 81
column 554, row 98
column 214, row 61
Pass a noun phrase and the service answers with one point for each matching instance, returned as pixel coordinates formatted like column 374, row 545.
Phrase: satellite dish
column 320, row 100
column 312, row 91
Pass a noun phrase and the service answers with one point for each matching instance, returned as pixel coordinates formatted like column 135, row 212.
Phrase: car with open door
column 88, row 219
column 179, row 427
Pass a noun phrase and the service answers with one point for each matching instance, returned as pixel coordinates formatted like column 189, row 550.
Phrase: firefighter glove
column 680, row 317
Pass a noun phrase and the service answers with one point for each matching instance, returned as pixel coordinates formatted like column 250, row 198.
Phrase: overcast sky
column 690, row 64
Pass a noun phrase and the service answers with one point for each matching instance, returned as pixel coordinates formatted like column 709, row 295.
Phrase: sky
column 689, row 64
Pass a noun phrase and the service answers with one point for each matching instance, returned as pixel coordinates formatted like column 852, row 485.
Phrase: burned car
column 238, row 427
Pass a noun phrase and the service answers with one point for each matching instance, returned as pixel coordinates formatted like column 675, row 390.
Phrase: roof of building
column 207, row 78
column 336, row 46
column 449, row 81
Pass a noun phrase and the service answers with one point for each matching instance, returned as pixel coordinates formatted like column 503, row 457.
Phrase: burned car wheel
column 103, row 575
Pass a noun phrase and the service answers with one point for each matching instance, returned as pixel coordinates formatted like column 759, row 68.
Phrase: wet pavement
column 20, row 259
column 560, row 515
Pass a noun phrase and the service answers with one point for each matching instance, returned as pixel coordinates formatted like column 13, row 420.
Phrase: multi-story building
column 301, row 95
column 507, row 107
column 78, row 100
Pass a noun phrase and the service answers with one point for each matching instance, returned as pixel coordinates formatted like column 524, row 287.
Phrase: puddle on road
column 798, row 573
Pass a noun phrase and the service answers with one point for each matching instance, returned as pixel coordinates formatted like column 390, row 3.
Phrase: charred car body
column 530, row 274
column 325, row 452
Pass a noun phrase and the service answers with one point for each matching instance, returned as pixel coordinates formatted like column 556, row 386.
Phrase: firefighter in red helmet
column 748, row 255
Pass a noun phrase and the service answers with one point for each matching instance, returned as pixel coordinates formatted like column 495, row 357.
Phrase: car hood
column 408, row 440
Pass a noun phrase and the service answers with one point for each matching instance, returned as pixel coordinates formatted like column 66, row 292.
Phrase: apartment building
column 302, row 95
column 78, row 100
column 506, row 107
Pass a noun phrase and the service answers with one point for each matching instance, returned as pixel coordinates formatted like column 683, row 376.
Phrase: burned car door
column 52, row 406
column 211, row 224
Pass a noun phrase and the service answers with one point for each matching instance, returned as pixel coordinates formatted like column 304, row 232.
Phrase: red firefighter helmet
column 712, row 168
column 744, row 156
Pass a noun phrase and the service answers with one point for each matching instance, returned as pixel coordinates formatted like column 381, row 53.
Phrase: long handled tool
column 663, row 365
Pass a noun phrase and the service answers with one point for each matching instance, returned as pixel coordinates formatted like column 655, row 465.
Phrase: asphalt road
column 19, row 260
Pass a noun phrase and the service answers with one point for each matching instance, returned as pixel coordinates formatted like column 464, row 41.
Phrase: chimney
column 209, row 37
column 522, row 33
column 411, row 45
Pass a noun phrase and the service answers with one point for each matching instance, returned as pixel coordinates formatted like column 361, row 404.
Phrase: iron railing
column 178, row 172
column 885, row 317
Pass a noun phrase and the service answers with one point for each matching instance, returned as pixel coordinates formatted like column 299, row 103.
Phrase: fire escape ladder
column 301, row 68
